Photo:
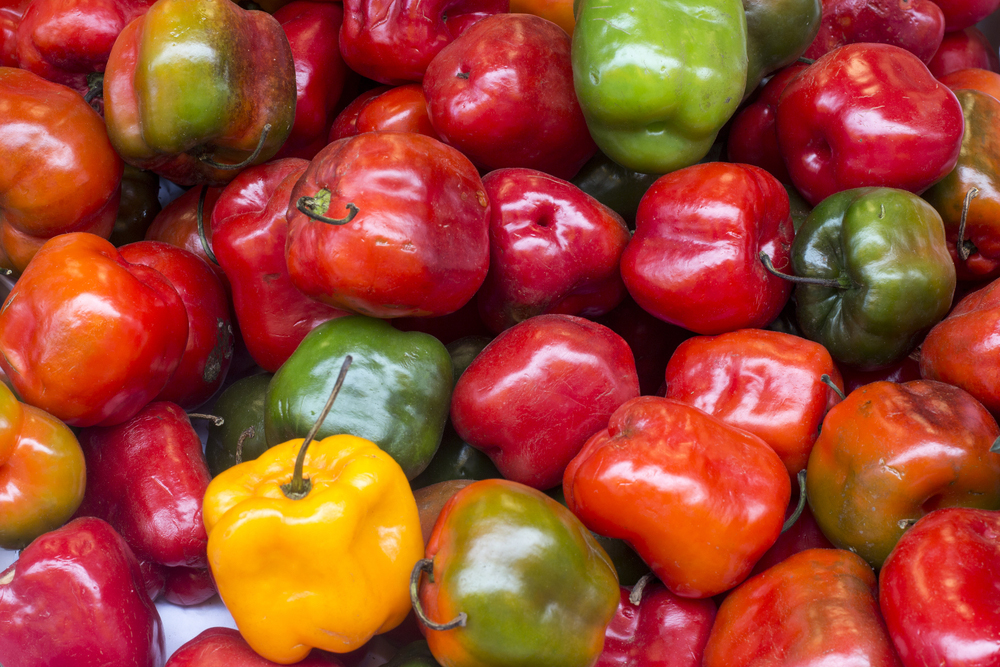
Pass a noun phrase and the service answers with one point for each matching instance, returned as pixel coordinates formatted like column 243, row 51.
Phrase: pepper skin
column 867, row 115
column 699, row 500
column 817, row 608
column 765, row 382
column 778, row 32
column 353, row 538
column 75, row 597
column 693, row 260
column 177, row 224
column 224, row 647
column 963, row 49
column 88, row 337
column 656, row 86
column 535, row 586
column 938, row 590
column 42, row 472
column 249, row 231
column 891, row 276
column 58, row 171
column 890, row 453
column 158, row 121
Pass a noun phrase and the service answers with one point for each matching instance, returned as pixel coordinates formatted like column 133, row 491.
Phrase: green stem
column 245, row 163
column 833, row 283
column 201, row 225
column 801, row 506
column 317, row 206
column 828, row 381
column 963, row 250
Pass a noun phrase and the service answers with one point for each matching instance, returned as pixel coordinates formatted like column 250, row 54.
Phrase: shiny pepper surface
column 326, row 571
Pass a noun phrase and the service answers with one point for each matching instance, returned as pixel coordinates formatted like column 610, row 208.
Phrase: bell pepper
column 240, row 436
column 693, row 260
column 325, row 564
column 961, row 14
column 140, row 204
column 962, row 49
column 11, row 12
column 58, row 171
column 968, row 198
column 890, row 453
column 885, row 274
column 238, row 113
column 778, row 32
column 867, row 115
column 389, row 224
column 402, row 108
column 248, row 237
column 42, row 472
column 655, row 103
column 514, row 578
column 613, row 185
column 177, row 224
column 75, row 596
column 818, row 607
column 224, row 647
column 397, row 395
column 938, row 592
column 89, row 337
column 699, row 500
column 766, row 382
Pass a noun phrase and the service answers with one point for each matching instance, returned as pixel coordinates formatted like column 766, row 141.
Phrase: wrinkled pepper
column 657, row 85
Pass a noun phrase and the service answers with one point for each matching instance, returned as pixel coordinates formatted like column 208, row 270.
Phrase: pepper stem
column 822, row 282
column 316, row 208
column 201, row 225
column 801, row 506
column 95, row 87
column 996, row 446
column 215, row 419
column 246, row 163
column 427, row 565
column 828, row 381
column 963, row 250
column 299, row 487
column 635, row 595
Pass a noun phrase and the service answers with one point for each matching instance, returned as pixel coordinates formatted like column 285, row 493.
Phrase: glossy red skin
column 188, row 586
column 938, row 590
column 77, row 598
column 88, row 337
column 753, row 138
column 320, row 73
column 817, row 608
column 700, row 501
column 64, row 41
column 209, row 352
column 962, row 14
column 868, row 115
column 177, row 224
column 393, row 41
column 976, row 78
column 346, row 123
column 399, row 109
column 225, row 647
column 249, row 234
column 801, row 535
column 915, row 25
column 963, row 49
column 553, row 249
column 964, row 348
column 419, row 245
column 765, row 382
column 693, row 260
column 502, row 93
column 662, row 630
column 535, row 394
column 147, row 478
column 652, row 341
column 11, row 12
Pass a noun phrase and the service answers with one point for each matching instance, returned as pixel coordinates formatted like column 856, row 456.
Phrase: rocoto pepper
column 195, row 90
column 328, row 568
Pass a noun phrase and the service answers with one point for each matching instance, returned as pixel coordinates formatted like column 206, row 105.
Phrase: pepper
column 239, row 113
column 778, row 32
column 515, row 578
column 885, row 274
column 284, row 541
column 42, row 472
column 397, row 395
column 240, row 436
column 658, row 80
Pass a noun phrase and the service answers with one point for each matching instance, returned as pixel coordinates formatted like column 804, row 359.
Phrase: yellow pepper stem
column 299, row 487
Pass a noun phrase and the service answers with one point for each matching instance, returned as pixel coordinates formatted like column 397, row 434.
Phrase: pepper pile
column 629, row 332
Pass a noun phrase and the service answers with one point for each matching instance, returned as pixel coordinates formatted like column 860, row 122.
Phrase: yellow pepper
column 327, row 570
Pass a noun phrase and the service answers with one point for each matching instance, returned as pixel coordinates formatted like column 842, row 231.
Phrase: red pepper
column 765, row 382
column 693, row 260
column 75, row 596
column 700, row 501
column 938, row 590
column 868, row 115
column 818, row 607
column 962, row 49
column 87, row 336
column 249, row 233
column 225, row 647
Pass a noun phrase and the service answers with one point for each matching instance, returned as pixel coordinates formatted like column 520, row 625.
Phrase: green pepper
column 657, row 79
column 414, row 654
column 778, row 32
column 879, row 274
column 613, row 185
column 397, row 394
column 240, row 436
